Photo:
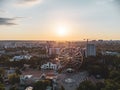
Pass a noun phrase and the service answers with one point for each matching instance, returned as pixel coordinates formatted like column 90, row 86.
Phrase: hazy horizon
column 72, row 20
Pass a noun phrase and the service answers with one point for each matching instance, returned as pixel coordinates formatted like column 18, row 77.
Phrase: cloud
column 7, row 21
column 104, row 2
column 2, row 11
column 26, row 3
column 1, row 2
column 117, row 2
column 22, row 3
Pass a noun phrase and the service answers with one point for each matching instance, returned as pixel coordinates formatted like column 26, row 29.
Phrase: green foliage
column 4, row 58
column 95, row 67
column 62, row 88
column 41, row 85
column 100, row 85
column 18, row 72
column 35, row 61
column 114, row 74
column 14, row 78
column 111, row 85
column 2, row 87
column 86, row 85
column 2, row 71
column 13, row 88
column 107, row 85
column 1, row 79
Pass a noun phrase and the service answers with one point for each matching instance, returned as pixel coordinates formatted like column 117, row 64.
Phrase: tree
column 41, row 85
column 86, row 85
column 111, row 85
column 14, row 88
column 114, row 74
column 18, row 72
column 62, row 88
column 2, row 87
column 2, row 72
column 4, row 58
column 14, row 78
column 100, row 85
column 1, row 79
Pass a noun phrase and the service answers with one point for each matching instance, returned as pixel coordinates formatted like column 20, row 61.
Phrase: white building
column 18, row 58
column 49, row 65
column 90, row 50
column 29, row 88
column 26, row 79
column 110, row 53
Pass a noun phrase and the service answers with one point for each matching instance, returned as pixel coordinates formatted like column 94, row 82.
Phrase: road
column 76, row 78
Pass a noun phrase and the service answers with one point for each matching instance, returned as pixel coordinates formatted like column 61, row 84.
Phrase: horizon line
column 62, row 40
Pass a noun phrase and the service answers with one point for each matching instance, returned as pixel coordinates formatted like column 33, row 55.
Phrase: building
column 90, row 50
column 54, row 51
column 21, row 57
column 26, row 79
column 49, row 65
column 29, row 88
column 111, row 53
column 10, row 71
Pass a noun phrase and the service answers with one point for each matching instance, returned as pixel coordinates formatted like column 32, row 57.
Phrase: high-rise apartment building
column 90, row 50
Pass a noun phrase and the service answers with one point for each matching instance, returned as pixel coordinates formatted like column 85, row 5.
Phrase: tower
column 90, row 49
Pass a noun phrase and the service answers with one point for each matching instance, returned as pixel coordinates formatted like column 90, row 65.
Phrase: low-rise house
column 10, row 71
column 29, row 88
column 26, row 79
column 111, row 53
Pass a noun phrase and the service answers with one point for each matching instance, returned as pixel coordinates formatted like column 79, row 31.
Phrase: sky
column 59, row 19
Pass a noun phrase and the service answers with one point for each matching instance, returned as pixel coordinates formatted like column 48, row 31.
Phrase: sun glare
column 62, row 31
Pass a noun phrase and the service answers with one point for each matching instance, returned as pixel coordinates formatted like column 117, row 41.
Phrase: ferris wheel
column 70, row 58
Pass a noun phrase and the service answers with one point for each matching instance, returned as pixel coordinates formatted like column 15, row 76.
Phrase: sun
column 62, row 31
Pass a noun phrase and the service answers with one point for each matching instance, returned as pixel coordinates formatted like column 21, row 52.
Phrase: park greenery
column 2, row 87
column 14, row 79
column 42, row 85
column 105, row 66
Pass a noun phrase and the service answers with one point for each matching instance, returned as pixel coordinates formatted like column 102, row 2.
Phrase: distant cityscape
column 26, row 65
column 59, row 44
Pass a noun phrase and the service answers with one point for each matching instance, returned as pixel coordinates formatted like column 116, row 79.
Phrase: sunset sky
column 59, row 19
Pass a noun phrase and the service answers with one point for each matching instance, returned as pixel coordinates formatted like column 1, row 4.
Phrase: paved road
column 77, row 78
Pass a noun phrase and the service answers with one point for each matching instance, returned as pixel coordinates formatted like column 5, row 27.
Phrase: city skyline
column 59, row 19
